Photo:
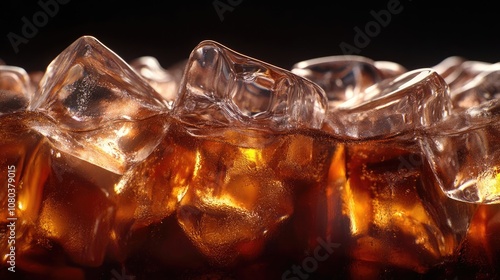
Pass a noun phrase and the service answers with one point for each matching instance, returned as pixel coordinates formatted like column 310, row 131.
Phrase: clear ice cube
column 396, row 213
column 78, row 208
column 16, row 89
column 464, row 152
column 458, row 71
column 165, row 81
column 389, row 69
column 106, row 113
column 450, row 68
column 342, row 77
column 387, row 208
column 408, row 102
column 224, row 88
column 61, row 201
column 235, row 109
column 481, row 88
column 235, row 200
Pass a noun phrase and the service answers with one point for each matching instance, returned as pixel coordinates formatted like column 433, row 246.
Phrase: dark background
column 279, row 32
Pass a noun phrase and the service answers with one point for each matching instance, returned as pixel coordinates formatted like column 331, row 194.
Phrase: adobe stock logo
column 29, row 30
column 221, row 7
column 363, row 37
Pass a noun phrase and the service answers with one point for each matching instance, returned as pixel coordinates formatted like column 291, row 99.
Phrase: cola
column 238, row 169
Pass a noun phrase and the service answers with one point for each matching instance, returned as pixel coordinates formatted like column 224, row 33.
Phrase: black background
column 280, row 32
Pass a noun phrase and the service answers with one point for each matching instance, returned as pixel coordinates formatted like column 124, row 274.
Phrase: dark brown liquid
column 239, row 204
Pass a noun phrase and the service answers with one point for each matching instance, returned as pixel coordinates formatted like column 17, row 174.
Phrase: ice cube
column 235, row 201
column 464, row 153
column 235, row 112
column 468, row 70
column 481, row 88
column 165, row 81
column 389, row 69
column 470, row 82
column 106, row 113
column 36, row 78
column 24, row 167
column 458, row 71
column 224, row 88
column 397, row 214
column 78, row 209
column 388, row 211
column 150, row 191
column 408, row 102
column 59, row 199
column 88, row 84
column 16, row 89
column 342, row 77
column 450, row 68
